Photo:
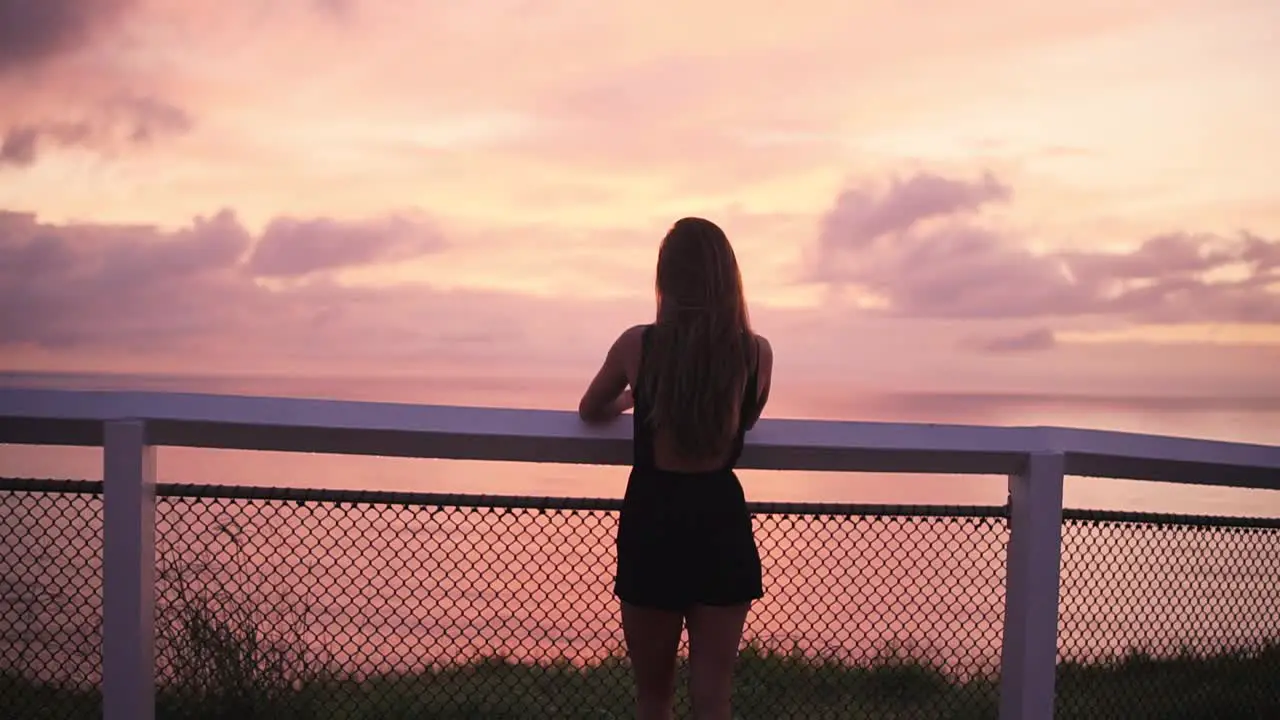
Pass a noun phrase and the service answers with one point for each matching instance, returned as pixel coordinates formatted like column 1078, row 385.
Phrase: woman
column 698, row 379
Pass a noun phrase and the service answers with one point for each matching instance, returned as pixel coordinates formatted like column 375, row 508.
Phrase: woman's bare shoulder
column 628, row 343
column 632, row 337
column 766, row 350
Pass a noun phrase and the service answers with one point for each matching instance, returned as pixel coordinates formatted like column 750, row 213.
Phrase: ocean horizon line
column 199, row 382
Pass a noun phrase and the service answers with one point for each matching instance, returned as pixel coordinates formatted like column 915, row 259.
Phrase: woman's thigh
column 652, row 636
column 715, row 633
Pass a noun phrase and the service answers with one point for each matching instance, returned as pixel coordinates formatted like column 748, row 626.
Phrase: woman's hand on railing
column 612, row 409
column 626, row 401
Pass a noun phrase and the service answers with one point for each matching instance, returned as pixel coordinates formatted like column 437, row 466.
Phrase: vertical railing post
column 128, row 570
column 1028, row 662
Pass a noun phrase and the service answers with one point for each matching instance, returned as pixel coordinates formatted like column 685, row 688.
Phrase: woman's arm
column 608, row 396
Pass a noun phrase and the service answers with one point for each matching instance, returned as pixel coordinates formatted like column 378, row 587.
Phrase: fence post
column 128, row 570
column 1028, row 662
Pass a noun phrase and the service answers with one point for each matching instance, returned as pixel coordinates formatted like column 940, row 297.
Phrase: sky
column 989, row 196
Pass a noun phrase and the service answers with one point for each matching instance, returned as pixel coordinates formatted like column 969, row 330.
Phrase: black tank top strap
column 751, row 393
column 641, row 433
column 750, row 399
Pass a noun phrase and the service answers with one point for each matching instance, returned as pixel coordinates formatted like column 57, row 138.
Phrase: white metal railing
column 129, row 425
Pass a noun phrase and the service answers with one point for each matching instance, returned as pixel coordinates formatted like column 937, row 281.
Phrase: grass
column 1187, row 686
column 216, row 656
column 770, row 685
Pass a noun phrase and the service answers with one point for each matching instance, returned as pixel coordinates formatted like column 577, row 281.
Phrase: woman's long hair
column 697, row 361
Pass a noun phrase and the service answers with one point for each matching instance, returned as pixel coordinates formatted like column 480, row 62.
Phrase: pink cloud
column 860, row 216
column 33, row 31
column 85, row 290
column 140, row 286
column 145, row 300
column 67, row 81
column 1028, row 341
column 125, row 120
column 88, row 284
column 19, row 146
column 291, row 247
column 957, row 268
column 1168, row 254
column 149, row 117
column 1261, row 253
column 169, row 286
column 337, row 8
column 958, row 271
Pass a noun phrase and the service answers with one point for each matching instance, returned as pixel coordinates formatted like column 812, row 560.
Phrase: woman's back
column 657, row 447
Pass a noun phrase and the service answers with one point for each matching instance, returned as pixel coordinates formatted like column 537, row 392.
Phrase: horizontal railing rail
column 65, row 417
column 130, row 425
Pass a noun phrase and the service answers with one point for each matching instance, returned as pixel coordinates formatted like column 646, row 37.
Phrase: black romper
column 685, row 538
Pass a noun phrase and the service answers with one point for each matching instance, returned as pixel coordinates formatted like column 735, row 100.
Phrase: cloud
column 144, row 299
column 87, row 102
column 65, row 94
column 1029, row 341
column 71, row 285
column 336, row 8
column 149, row 117
column 121, row 120
column 22, row 142
column 141, row 286
column 956, row 272
column 1263, row 254
column 34, row 31
column 291, row 247
column 959, row 268
column 19, row 146
column 860, row 216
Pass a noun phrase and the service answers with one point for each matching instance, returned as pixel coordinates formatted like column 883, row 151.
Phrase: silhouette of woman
column 698, row 379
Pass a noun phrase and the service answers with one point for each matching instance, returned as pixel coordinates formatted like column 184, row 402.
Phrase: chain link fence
column 1168, row 616
column 288, row 604
column 50, row 600
column 364, row 605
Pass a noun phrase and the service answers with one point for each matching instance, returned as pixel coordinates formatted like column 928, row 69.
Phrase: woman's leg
column 715, row 633
column 652, row 637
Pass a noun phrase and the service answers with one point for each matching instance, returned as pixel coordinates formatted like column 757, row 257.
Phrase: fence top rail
column 76, row 417
column 436, row 501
